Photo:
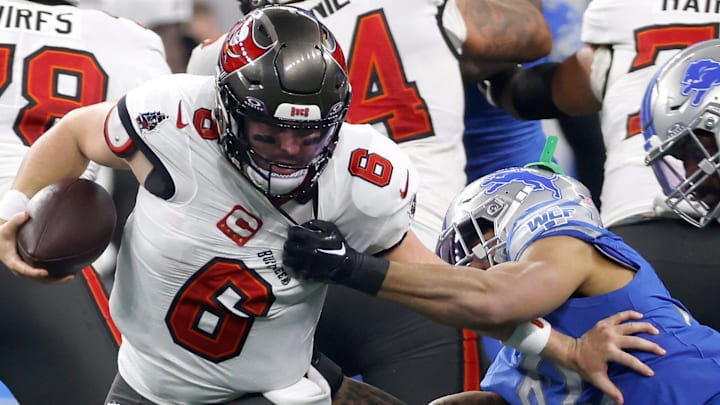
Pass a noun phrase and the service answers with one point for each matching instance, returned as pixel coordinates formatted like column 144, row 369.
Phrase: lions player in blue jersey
column 539, row 236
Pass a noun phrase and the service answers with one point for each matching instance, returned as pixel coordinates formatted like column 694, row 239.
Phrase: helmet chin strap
column 280, row 183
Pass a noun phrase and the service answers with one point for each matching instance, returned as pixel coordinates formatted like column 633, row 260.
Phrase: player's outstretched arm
column 418, row 286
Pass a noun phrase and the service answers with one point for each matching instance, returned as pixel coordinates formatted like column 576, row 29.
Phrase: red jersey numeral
column 213, row 312
column 55, row 81
column 370, row 167
column 6, row 57
column 381, row 92
column 649, row 41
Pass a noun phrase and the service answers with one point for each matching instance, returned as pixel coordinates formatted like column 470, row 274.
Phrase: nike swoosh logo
column 179, row 122
column 335, row 252
column 403, row 192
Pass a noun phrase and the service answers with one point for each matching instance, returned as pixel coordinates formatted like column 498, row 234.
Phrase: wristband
column 530, row 337
column 532, row 93
column 12, row 202
column 494, row 86
column 332, row 373
column 368, row 273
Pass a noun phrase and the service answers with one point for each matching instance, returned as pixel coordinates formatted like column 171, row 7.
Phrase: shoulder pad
column 382, row 179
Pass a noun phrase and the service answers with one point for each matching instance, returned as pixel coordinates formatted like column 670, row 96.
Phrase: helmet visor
column 469, row 242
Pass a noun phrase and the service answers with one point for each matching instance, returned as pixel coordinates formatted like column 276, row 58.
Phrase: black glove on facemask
column 316, row 250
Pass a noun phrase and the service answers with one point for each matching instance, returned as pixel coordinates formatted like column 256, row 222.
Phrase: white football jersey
column 148, row 13
column 643, row 35
column 405, row 81
column 57, row 58
column 206, row 309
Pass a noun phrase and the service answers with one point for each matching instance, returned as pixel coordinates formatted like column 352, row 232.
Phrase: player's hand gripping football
column 316, row 250
column 10, row 256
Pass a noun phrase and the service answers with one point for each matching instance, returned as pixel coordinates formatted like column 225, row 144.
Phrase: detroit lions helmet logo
column 537, row 182
column 700, row 77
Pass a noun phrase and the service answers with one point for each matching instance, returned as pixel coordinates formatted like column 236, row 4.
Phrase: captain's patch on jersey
column 148, row 121
column 240, row 225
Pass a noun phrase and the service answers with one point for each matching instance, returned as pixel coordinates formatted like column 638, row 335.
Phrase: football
column 71, row 223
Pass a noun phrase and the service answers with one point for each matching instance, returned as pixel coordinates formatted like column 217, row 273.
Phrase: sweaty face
column 692, row 154
column 283, row 150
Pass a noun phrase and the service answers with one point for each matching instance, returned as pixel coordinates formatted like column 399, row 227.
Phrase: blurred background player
column 167, row 18
column 680, row 115
column 495, row 140
column 58, row 343
column 407, row 83
column 625, row 43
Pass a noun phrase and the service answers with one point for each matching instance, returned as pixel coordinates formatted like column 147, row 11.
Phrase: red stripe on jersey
column 120, row 150
column 471, row 372
column 633, row 126
column 101, row 299
column 537, row 323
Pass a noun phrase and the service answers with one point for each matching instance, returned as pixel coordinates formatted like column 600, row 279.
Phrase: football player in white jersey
column 625, row 44
column 206, row 310
column 228, row 164
column 679, row 118
column 404, row 70
column 53, row 59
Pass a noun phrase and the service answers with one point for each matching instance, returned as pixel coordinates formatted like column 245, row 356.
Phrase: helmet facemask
column 680, row 118
column 282, row 71
column 687, row 166
column 263, row 172
column 472, row 237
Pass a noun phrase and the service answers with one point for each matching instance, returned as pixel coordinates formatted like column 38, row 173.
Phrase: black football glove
column 316, row 250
